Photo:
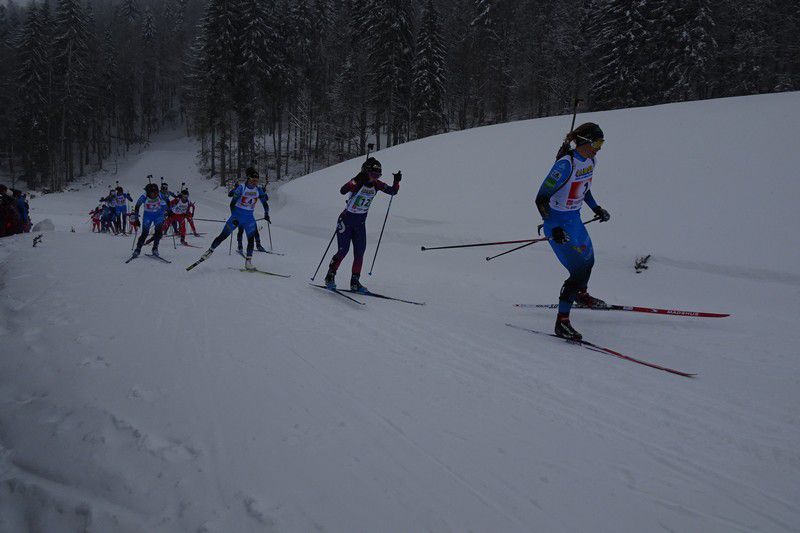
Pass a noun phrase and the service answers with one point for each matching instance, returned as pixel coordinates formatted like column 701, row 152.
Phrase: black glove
column 266, row 217
column 560, row 236
column 602, row 214
column 398, row 176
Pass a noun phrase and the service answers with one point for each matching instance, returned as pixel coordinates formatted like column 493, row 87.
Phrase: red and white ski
column 635, row 309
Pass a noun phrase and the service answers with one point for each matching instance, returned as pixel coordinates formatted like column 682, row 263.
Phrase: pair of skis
column 158, row 257
column 345, row 294
column 241, row 252
column 611, row 307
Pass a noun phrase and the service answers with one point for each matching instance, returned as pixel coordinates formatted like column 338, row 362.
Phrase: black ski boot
column 565, row 330
column 330, row 279
column 356, row 285
column 584, row 299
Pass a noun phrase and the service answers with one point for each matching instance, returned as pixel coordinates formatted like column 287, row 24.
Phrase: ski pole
column 518, row 248
column 540, row 226
column 230, row 244
column 323, row 255
column 423, row 248
column 381, row 237
column 134, row 236
column 269, row 232
column 208, row 220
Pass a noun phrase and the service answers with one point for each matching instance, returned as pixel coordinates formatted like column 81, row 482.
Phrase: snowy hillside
column 142, row 397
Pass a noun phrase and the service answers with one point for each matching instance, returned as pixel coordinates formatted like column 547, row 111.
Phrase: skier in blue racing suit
column 559, row 201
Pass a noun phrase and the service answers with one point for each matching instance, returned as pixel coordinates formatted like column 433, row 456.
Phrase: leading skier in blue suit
column 559, row 201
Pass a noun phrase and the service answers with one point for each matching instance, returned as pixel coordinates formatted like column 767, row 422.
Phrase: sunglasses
column 594, row 144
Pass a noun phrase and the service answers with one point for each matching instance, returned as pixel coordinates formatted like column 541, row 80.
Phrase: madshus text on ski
column 560, row 197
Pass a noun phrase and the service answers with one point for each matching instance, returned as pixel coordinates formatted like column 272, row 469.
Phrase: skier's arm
column 601, row 213
column 558, row 176
column 390, row 190
column 354, row 184
column 139, row 203
column 590, row 201
column 128, row 196
column 264, row 197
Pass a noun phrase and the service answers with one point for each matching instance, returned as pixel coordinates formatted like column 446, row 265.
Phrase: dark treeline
column 311, row 82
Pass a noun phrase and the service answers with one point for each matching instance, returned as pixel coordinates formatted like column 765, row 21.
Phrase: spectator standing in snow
column 9, row 215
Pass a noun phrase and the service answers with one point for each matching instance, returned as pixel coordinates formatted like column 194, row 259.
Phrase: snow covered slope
column 142, row 397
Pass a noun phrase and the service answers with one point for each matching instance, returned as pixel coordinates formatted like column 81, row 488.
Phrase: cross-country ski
column 337, row 291
column 594, row 347
column 634, row 309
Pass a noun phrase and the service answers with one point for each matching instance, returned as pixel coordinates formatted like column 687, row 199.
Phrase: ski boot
column 183, row 242
column 260, row 248
column 136, row 252
column 240, row 250
column 207, row 254
column 248, row 263
column 154, row 253
column 330, row 279
column 356, row 286
column 565, row 330
column 584, row 299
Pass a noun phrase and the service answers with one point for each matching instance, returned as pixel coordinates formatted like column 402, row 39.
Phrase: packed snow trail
column 142, row 397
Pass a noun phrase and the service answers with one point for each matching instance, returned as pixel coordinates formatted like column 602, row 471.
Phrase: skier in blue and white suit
column 121, row 199
column 243, row 205
column 155, row 210
column 559, row 201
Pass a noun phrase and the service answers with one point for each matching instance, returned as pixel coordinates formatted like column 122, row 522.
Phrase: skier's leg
column 343, row 235
column 239, row 238
column 191, row 223
column 251, row 230
column 359, row 247
column 158, row 233
column 145, row 230
column 182, row 226
column 230, row 225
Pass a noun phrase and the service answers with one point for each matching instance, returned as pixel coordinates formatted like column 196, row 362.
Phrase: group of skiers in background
column 111, row 215
column 14, row 212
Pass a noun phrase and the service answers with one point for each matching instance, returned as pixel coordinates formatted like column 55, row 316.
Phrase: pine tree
column 71, row 46
column 623, row 35
column 32, row 97
column 428, row 76
column 390, row 57
column 692, row 49
column 129, row 10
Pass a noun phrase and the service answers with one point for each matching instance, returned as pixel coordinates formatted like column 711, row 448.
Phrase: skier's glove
column 398, row 176
column 602, row 214
column 266, row 217
column 560, row 236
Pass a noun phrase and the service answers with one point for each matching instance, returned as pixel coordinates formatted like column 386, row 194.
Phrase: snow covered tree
column 391, row 44
column 428, row 75
column 33, row 97
column 129, row 10
column 622, row 32
column 692, row 49
column 71, row 46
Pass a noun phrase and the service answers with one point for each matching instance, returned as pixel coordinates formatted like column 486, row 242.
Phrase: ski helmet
column 151, row 187
column 185, row 192
column 251, row 173
column 372, row 165
column 586, row 133
column 164, row 185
